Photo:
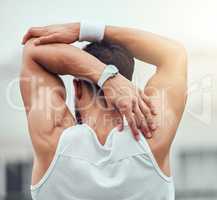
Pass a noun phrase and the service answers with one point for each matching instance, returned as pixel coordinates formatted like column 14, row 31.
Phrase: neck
column 95, row 116
column 100, row 120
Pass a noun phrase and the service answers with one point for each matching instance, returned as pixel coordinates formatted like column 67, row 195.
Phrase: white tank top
column 121, row 169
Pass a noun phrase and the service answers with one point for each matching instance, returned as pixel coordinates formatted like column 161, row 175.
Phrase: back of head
column 108, row 54
column 113, row 54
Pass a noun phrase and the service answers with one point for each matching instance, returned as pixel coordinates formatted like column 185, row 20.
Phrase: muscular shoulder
column 46, row 125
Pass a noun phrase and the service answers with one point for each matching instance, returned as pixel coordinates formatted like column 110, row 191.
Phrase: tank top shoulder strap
column 145, row 145
column 64, row 142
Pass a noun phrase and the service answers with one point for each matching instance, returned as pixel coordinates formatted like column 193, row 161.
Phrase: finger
column 147, row 114
column 148, row 101
column 47, row 39
column 141, row 122
column 33, row 32
column 109, row 104
column 132, row 123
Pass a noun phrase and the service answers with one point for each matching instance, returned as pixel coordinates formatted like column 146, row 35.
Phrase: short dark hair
column 114, row 54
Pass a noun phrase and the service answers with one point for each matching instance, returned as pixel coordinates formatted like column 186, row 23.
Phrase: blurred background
column 192, row 22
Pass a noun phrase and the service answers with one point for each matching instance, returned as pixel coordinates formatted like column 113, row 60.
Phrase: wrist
column 111, row 82
column 95, row 70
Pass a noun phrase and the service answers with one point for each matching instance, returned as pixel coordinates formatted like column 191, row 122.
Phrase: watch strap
column 109, row 72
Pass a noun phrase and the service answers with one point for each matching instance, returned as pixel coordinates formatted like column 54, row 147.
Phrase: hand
column 131, row 103
column 63, row 33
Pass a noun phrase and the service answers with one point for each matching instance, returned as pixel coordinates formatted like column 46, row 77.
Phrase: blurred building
column 196, row 176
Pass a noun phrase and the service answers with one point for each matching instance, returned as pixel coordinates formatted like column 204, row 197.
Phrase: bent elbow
column 179, row 53
column 29, row 48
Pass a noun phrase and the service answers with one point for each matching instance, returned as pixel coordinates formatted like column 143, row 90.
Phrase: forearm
column 143, row 45
column 65, row 59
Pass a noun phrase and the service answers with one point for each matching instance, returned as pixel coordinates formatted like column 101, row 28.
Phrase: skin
column 134, row 102
column 46, row 56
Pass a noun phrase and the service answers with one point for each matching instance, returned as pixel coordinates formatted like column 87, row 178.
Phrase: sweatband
column 91, row 32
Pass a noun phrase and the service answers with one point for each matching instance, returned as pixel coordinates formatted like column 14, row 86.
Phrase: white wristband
column 91, row 32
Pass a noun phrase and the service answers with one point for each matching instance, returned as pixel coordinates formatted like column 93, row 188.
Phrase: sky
column 191, row 22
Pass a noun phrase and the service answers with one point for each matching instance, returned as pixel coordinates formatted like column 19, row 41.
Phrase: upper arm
column 168, row 88
column 170, row 80
column 43, row 95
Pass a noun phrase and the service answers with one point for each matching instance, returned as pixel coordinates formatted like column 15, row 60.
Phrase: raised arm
column 44, row 97
column 146, row 46
column 167, row 55
column 168, row 85
column 66, row 59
